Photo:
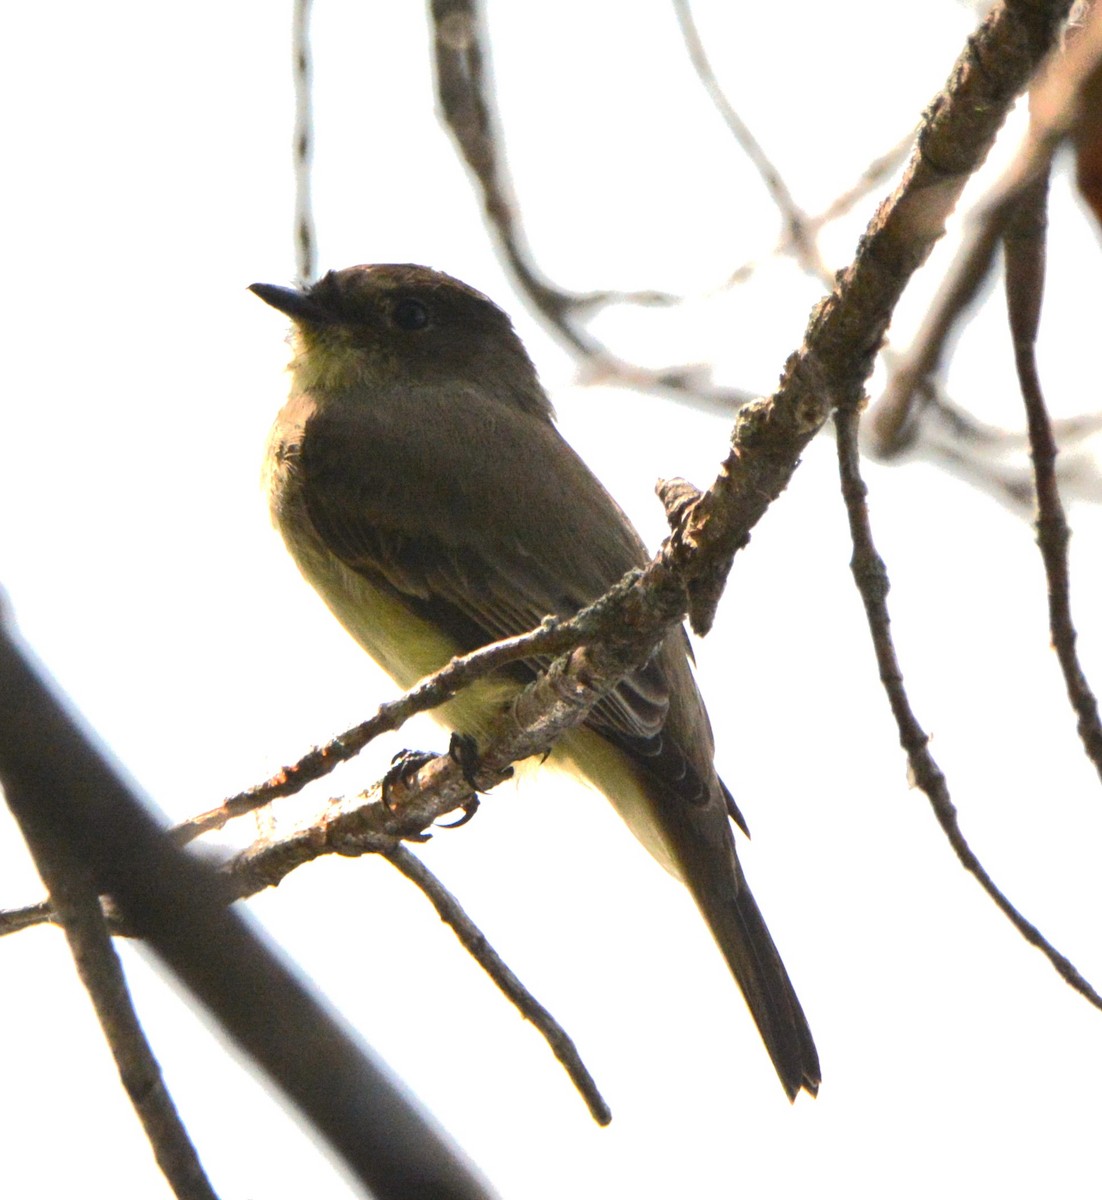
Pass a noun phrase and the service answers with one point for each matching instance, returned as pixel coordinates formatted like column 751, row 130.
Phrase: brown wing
column 463, row 552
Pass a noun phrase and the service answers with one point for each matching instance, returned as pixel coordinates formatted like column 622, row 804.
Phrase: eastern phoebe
column 422, row 489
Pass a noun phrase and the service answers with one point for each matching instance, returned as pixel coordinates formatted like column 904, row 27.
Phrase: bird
column 421, row 486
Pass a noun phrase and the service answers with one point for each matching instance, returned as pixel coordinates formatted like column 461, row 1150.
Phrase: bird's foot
column 403, row 766
column 463, row 749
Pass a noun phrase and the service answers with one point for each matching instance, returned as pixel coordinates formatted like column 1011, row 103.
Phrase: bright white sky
column 149, row 184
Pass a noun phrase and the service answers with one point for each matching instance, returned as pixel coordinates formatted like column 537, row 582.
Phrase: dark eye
column 409, row 314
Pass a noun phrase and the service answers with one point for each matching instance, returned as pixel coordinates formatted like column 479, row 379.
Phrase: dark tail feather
column 738, row 927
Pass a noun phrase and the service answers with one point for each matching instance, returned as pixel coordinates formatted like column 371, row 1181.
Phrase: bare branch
column 352, row 827
column 839, row 347
column 554, row 636
column 55, row 780
column 800, row 237
column 305, row 237
column 468, row 107
column 996, row 460
column 847, row 328
column 873, row 175
column 871, row 578
column 829, row 371
column 836, row 358
column 1024, row 251
column 13, row 920
column 77, row 906
column 452, row 914
column 1054, row 107
column 879, row 170
column 798, row 233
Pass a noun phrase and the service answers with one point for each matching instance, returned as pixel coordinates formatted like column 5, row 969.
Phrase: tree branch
column 1024, row 252
column 76, row 907
column 56, row 780
column 871, row 578
column 468, row 108
column 1055, row 105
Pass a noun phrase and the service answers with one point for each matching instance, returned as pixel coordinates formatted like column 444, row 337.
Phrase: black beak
column 298, row 305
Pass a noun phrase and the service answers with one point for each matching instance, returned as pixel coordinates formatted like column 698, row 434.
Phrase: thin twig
column 474, row 940
column 871, row 578
column 798, row 233
column 355, row 827
column 1024, row 250
column 468, row 107
column 13, row 920
column 880, row 169
column 305, row 237
column 996, row 460
column 76, row 902
column 965, row 426
column 873, row 175
column 894, row 419
column 1012, row 487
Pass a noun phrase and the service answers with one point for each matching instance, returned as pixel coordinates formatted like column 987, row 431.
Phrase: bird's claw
column 469, row 807
column 403, row 766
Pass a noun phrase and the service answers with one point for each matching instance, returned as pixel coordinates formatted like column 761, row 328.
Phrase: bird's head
column 399, row 325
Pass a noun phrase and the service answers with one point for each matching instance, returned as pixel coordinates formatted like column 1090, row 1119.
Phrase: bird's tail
column 737, row 925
